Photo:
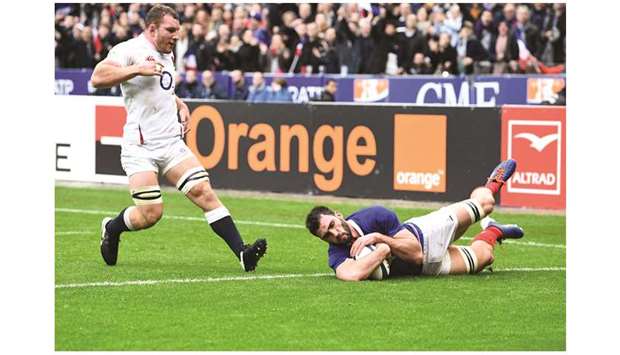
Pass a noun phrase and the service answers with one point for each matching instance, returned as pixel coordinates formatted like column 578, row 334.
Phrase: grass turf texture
column 503, row 310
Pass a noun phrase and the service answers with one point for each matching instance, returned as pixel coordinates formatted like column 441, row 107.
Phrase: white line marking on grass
column 182, row 281
column 531, row 269
column 531, row 244
column 279, row 225
column 73, row 232
column 249, row 278
column 198, row 219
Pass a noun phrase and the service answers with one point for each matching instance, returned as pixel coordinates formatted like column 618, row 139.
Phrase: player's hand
column 150, row 68
column 184, row 117
column 361, row 242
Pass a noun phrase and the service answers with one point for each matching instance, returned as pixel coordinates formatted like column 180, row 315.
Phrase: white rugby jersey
column 149, row 100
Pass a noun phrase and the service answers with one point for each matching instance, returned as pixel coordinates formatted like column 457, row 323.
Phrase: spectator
column 311, row 51
column 508, row 15
column 470, row 51
column 412, row 41
column 240, row 91
column 386, row 48
column 248, row 55
column 422, row 20
column 287, row 31
column 539, row 14
column 329, row 91
column 224, row 58
column 213, row 36
column 120, row 34
column 329, row 59
column 420, row 65
column 447, row 55
column 438, row 25
column 554, row 36
column 135, row 22
column 305, row 13
column 504, row 51
column 527, row 32
column 485, row 30
column 258, row 31
column 190, row 88
column 180, row 49
column 347, row 43
column 102, row 43
column 279, row 91
column 83, row 49
column 278, row 56
column 209, row 88
column 454, row 22
column 258, row 89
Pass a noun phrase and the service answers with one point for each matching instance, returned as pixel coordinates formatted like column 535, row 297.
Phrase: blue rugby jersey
column 367, row 220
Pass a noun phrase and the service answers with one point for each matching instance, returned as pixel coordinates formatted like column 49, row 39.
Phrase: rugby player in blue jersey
column 420, row 245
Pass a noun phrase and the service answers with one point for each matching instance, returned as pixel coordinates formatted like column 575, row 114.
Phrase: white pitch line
column 532, row 244
column 198, row 219
column 278, row 225
column 169, row 281
column 530, row 269
column 73, row 232
column 249, row 278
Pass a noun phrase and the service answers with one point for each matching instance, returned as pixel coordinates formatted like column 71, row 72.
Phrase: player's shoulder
column 376, row 209
column 128, row 44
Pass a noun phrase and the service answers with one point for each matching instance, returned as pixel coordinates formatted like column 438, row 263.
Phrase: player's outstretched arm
column 358, row 270
column 404, row 245
column 109, row 73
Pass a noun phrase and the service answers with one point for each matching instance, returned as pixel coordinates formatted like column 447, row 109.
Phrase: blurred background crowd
column 350, row 38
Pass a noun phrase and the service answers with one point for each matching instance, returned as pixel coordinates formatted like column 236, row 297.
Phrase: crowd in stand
column 351, row 38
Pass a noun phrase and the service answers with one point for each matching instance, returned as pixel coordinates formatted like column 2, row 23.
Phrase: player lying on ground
column 420, row 245
column 153, row 139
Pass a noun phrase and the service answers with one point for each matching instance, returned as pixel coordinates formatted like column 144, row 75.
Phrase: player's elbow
column 96, row 81
column 353, row 275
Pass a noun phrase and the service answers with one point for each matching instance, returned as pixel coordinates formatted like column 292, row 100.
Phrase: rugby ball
column 382, row 271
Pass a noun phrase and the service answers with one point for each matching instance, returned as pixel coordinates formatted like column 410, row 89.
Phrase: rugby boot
column 252, row 253
column 509, row 231
column 109, row 244
column 502, row 172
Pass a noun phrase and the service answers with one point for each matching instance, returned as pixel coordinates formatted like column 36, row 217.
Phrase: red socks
column 489, row 235
column 494, row 186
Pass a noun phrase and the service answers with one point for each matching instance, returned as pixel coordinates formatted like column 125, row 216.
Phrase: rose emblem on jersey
column 165, row 81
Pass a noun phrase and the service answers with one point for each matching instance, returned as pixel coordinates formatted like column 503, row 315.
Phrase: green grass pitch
column 194, row 295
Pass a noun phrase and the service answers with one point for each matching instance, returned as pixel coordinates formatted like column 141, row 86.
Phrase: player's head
column 162, row 26
column 328, row 225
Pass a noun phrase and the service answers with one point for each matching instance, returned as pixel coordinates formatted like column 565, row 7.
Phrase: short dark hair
column 157, row 13
column 314, row 217
column 331, row 81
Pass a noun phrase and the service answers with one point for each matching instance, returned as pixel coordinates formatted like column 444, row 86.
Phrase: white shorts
column 157, row 157
column 438, row 230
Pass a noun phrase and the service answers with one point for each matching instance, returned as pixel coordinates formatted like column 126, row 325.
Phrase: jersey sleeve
column 337, row 255
column 386, row 220
column 120, row 54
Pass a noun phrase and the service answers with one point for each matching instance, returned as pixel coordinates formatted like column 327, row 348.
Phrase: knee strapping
column 469, row 258
column 146, row 195
column 191, row 178
column 475, row 210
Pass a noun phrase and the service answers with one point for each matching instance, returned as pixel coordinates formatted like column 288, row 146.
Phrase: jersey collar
column 356, row 227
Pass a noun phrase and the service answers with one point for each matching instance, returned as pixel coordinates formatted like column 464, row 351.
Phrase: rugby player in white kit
column 153, row 139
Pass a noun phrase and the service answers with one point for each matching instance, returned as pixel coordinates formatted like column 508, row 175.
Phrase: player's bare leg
column 148, row 209
column 481, row 202
column 191, row 178
column 479, row 254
